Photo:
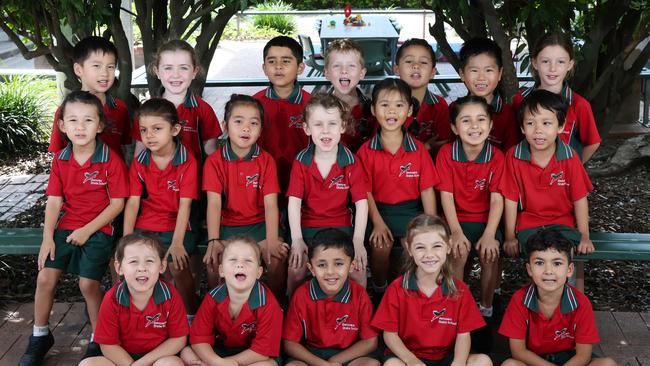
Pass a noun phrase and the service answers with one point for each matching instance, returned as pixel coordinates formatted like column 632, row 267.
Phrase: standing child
column 239, row 322
column 283, row 103
column 416, row 65
column 427, row 300
column 176, row 65
column 95, row 60
column 552, row 60
column 401, row 174
column 86, row 191
column 481, row 66
column 344, row 67
column 164, row 183
column 242, row 187
column 142, row 318
column 329, row 317
column 470, row 170
column 550, row 321
column 325, row 180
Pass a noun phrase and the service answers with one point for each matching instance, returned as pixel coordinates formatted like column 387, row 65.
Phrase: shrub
column 247, row 31
column 24, row 115
column 280, row 22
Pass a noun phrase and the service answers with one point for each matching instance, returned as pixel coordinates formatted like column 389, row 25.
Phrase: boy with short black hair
column 549, row 320
column 95, row 61
column 481, row 67
column 283, row 103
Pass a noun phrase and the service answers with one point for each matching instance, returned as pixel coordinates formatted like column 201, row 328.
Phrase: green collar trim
column 430, row 98
column 410, row 282
column 191, row 100
column 568, row 303
column 344, row 156
column 229, row 154
column 100, row 155
column 256, row 299
column 295, row 97
column 161, row 293
column 458, row 153
column 180, row 156
column 562, row 150
column 343, row 296
column 407, row 142
column 497, row 103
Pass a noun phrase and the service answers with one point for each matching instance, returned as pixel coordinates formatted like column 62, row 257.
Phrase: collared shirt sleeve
column 441, row 118
column 54, row 184
column 587, row 130
column 57, row 138
column 117, row 177
column 270, row 183
column 387, row 316
column 189, row 179
column 213, row 177
column 429, row 177
column 293, row 322
column 445, row 171
column 469, row 315
column 498, row 164
column 135, row 182
column 269, row 329
column 177, row 320
column 512, row 133
column 108, row 327
column 358, row 183
column 508, row 186
column 203, row 328
column 297, row 180
column 515, row 319
column 364, row 160
column 580, row 182
column 135, row 130
column 586, row 331
column 366, row 331
column 209, row 126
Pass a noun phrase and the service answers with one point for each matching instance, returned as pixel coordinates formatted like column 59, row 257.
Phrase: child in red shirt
column 239, row 322
column 426, row 314
column 470, row 170
column 142, row 318
column 164, row 184
column 401, row 175
column 550, row 320
column 329, row 317
column 86, row 191
column 242, row 187
column 325, row 179
column 552, row 60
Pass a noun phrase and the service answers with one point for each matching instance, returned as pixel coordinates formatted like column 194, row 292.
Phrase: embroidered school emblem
column 248, row 327
column 253, row 180
column 405, row 170
column 185, row 124
column 172, row 186
column 480, row 184
column 93, row 178
column 558, row 179
column 296, row 121
column 562, row 334
column 89, row 176
column 341, row 320
column 338, row 183
column 437, row 314
column 154, row 321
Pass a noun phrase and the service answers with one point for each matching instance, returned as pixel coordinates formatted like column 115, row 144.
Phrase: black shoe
column 92, row 350
column 36, row 350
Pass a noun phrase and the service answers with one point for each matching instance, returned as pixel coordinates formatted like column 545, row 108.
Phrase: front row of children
column 425, row 318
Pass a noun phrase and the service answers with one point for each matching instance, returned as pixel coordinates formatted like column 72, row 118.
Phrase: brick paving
column 20, row 192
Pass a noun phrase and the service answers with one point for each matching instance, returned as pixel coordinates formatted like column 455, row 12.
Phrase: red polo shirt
column 325, row 201
column 199, row 124
column 432, row 119
column 315, row 320
column 87, row 189
column 243, row 183
column 362, row 124
column 580, row 126
column 115, row 133
column 471, row 182
column 283, row 135
column 140, row 331
column 400, row 177
column 545, row 195
column 257, row 327
column 164, row 188
column 404, row 309
column 572, row 322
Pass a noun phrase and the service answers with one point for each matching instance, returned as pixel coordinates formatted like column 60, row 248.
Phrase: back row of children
column 392, row 181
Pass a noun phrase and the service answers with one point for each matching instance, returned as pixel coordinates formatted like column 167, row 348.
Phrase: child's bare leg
column 489, row 278
column 458, row 265
column 478, row 359
column 602, row 361
column 189, row 357
column 379, row 263
column 580, row 276
column 264, row 363
column 277, row 276
column 168, row 361
column 115, row 278
column 295, row 277
column 93, row 294
column 96, row 361
column 213, row 279
column 394, row 362
column 185, row 284
column 44, row 296
column 512, row 362
column 360, row 277
column 364, row 361
column 295, row 363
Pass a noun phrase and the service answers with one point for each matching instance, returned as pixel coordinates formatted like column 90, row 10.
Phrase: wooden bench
column 609, row 246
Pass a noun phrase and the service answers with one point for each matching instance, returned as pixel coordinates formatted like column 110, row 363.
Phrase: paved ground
column 20, row 192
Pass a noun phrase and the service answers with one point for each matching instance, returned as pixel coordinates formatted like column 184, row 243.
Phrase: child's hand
column 274, row 248
column 298, row 253
column 381, row 235
column 211, row 257
column 460, row 245
column 180, row 258
column 586, row 246
column 488, row 248
column 511, row 247
column 47, row 250
column 78, row 237
column 360, row 255
column 415, row 362
column 227, row 361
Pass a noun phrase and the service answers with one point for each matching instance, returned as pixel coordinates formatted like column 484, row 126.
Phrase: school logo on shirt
column 558, row 179
column 91, row 177
column 253, row 180
column 172, row 186
column 342, row 322
column 405, row 170
column 296, row 121
column 154, row 321
column 186, row 126
column 480, row 184
column 338, row 183
column 562, row 334
column 439, row 316
column 248, row 327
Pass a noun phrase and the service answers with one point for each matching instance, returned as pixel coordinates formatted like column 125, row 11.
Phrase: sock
column 497, row 291
column 190, row 318
column 486, row 312
column 40, row 331
column 381, row 288
column 92, row 337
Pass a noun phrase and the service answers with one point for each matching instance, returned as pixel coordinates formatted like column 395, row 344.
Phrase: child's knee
column 394, row 361
column 168, row 361
column 276, row 264
column 96, row 361
column 479, row 359
column 89, row 287
column 297, row 274
column 512, row 362
column 46, row 280
column 602, row 361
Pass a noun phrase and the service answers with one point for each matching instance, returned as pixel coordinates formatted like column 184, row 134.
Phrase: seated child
column 326, row 179
column 415, row 63
column 344, row 67
column 544, row 182
column 242, row 188
column 470, row 169
column 283, row 103
column 164, row 184
column 481, row 66
column 329, row 317
column 142, row 318
column 550, row 321
column 426, row 314
column 86, row 190
column 239, row 322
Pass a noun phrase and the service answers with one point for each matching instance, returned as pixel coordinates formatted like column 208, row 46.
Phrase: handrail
column 334, row 11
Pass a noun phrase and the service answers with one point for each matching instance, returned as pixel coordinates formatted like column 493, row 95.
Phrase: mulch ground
column 618, row 204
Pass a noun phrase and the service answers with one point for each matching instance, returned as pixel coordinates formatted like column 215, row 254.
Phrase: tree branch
column 437, row 30
column 24, row 51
